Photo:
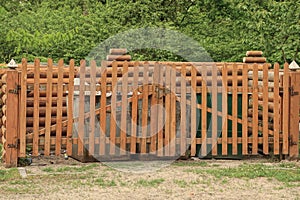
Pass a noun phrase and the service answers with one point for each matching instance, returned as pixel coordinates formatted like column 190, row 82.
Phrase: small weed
column 77, row 169
column 150, row 183
column 104, row 183
column 1, row 152
column 181, row 183
column 48, row 169
column 9, row 174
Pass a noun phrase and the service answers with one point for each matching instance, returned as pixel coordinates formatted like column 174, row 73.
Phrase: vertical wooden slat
column 124, row 108
column 204, row 111
column 154, row 110
column 167, row 110
column 134, row 106
column 193, row 111
column 255, row 110
column 276, row 109
column 12, row 120
column 59, row 107
column 183, row 111
column 36, row 94
column 113, row 122
column 145, row 108
column 160, row 115
column 286, row 107
column 214, row 114
column 92, row 108
column 103, row 109
column 23, row 109
column 81, row 120
column 294, row 116
column 245, row 111
column 48, row 107
column 224, row 111
column 265, row 110
column 234, row 110
column 173, row 111
column 70, row 106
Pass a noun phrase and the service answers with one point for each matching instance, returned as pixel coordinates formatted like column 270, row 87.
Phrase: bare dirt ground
column 201, row 179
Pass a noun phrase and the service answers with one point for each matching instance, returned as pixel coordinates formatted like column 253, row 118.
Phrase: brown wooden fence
column 158, row 109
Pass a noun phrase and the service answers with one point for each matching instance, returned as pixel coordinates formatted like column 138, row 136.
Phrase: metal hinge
column 16, row 90
column 292, row 92
column 14, row 146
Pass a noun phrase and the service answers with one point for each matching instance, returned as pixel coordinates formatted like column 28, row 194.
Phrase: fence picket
column 160, row 115
column 265, row 110
column 214, row 116
column 173, row 113
column 193, row 111
column 204, row 112
column 234, row 111
column 113, row 114
column 59, row 108
column 183, row 112
column 154, row 110
column 35, row 145
column 124, row 109
column 103, row 112
column 276, row 121
column 48, row 108
column 145, row 108
column 286, row 96
column 92, row 130
column 70, row 107
column 81, row 122
column 245, row 111
column 23, row 109
column 168, row 110
column 255, row 111
column 134, row 106
column 224, row 111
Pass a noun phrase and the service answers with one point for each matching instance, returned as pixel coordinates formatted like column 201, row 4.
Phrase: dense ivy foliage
column 225, row 28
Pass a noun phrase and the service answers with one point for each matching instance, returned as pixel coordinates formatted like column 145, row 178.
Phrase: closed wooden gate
column 137, row 110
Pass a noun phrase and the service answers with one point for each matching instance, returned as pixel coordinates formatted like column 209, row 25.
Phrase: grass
column 190, row 163
column 181, row 183
column 9, row 174
column 286, row 173
column 150, row 183
column 70, row 169
column 105, row 183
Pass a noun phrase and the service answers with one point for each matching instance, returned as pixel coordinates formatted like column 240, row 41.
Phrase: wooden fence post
column 294, row 115
column 12, row 121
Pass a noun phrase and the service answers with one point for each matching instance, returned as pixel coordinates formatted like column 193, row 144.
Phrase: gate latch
column 16, row 90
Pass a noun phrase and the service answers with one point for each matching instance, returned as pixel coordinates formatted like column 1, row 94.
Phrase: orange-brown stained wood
column 214, row 110
column 234, row 112
column 224, row 112
column 113, row 125
column 81, row 111
column 36, row 108
column 276, row 109
column 70, row 107
column 11, row 155
column 154, row 111
column 103, row 112
column 204, row 113
column 48, row 108
column 183, row 112
column 286, row 109
column 255, row 111
column 134, row 109
column 91, row 135
column 294, row 116
column 265, row 111
column 160, row 117
column 59, row 108
column 193, row 112
column 145, row 109
column 245, row 111
column 124, row 109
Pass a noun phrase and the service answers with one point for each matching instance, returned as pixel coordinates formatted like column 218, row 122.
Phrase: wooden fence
column 159, row 109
